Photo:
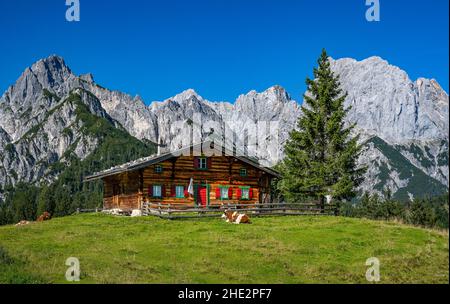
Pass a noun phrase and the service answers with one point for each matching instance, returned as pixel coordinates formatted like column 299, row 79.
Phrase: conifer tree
column 321, row 153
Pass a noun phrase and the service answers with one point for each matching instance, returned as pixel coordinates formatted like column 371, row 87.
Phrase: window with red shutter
column 150, row 190
column 245, row 193
column 196, row 162
column 163, row 191
column 230, row 193
column 250, row 193
column 218, row 196
column 173, row 191
column 239, row 193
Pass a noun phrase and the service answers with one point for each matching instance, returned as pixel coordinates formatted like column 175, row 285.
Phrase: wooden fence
column 179, row 211
column 79, row 210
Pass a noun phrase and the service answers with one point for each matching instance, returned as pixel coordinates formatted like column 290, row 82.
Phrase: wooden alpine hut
column 201, row 175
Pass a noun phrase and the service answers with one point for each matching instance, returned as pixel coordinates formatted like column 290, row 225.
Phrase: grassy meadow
column 271, row 250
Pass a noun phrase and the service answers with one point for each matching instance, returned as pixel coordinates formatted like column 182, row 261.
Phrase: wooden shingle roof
column 154, row 159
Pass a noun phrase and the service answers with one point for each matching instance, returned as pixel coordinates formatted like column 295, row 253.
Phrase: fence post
column 159, row 209
column 78, row 210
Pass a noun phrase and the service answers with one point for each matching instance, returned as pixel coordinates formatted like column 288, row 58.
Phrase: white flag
column 191, row 187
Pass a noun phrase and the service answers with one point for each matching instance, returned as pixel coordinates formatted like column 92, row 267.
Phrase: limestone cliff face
column 386, row 103
column 404, row 124
column 130, row 112
column 40, row 123
column 56, row 138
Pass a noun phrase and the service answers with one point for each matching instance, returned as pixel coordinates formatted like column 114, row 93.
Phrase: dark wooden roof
column 154, row 159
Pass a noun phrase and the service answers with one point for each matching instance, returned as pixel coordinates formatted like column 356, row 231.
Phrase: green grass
column 271, row 250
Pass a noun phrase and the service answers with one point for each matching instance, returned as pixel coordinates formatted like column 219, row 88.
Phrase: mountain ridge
column 408, row 116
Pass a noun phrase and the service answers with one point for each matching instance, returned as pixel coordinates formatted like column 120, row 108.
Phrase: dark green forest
column 426, row 212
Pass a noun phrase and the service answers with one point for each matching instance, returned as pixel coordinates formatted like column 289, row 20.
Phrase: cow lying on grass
column 22, row 223
column 44, row 217
column 235, row 217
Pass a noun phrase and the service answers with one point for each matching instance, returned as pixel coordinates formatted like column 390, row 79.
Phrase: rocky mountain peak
column 279, row 93
column 386, row 102
column 52, row 62
column 52, row 72
column 37, row 90
column 375, row 60
column 267, row 105
column 186, row 95
column 275, row 93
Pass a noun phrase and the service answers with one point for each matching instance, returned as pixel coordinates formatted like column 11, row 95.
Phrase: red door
column 202, row 196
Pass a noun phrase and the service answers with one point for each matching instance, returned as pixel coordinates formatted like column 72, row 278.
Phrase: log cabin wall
column 129, row 190
column 121, row 191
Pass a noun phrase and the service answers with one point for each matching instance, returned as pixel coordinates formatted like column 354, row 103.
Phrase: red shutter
column 150, row 190
column 217, row 193
column 186, row 193
column 250, row 193
column 208, row 163
column 173, row 191
column 163, row 191
column 239, row 193
column 196, row 162
column 230, row 193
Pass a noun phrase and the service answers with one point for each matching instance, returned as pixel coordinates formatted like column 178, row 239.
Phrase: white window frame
column 245, row 193
column 224, row 193
column 179, row 194
column 243, row 172
column 157, row 189
column 203, row 163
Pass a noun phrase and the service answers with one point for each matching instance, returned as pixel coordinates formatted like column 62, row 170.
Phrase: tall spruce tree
column 321, row 153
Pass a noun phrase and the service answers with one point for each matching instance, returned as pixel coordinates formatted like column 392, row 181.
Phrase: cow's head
column 227, row 214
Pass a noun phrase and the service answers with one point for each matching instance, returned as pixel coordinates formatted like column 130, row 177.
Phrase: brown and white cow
column 44, row 217
column 22, row 223
column 236, row 217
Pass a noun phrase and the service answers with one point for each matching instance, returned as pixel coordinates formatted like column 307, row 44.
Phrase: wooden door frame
column 208, row 188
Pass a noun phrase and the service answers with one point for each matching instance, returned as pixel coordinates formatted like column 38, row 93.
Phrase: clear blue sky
column 221, row 48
